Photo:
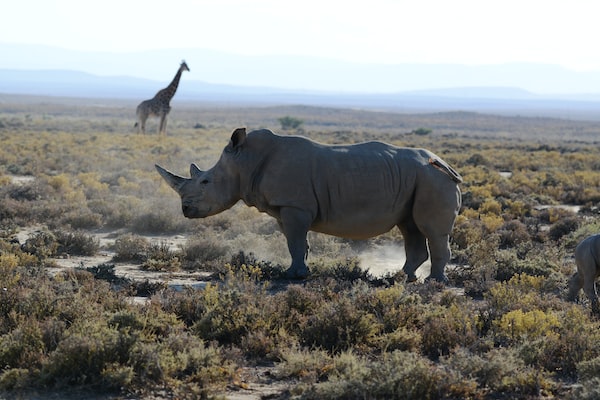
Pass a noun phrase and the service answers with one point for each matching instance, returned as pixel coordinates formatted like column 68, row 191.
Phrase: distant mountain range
column 525, row 89
column 482, row 99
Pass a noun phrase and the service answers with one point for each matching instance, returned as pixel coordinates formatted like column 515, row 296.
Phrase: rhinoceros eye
column 204, row 181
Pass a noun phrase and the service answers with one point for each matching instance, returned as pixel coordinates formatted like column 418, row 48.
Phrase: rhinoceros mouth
column 195, row 212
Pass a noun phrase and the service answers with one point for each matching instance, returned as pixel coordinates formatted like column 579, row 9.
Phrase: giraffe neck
column 170, row 90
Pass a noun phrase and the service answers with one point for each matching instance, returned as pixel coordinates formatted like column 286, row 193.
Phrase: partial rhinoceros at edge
column 352, row 191
column 587, row 259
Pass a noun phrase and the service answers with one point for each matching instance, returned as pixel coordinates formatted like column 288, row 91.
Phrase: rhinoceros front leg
column 589, row 285
column 575, row 285
column 294, row 224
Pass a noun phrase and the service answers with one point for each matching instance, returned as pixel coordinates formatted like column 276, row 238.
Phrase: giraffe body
column 159, row 105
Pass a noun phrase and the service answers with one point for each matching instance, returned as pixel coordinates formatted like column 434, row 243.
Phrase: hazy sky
column 565, row 32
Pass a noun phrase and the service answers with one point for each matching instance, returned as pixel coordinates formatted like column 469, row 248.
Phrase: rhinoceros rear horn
column 195, row 171
column 173, row 180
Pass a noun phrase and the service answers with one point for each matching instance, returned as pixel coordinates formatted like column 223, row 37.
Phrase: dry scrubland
column 501, row 329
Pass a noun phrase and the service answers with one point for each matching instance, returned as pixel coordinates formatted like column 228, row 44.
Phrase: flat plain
column 109, row 290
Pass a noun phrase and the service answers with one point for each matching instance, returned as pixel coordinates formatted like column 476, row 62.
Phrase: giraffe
column 159, row 105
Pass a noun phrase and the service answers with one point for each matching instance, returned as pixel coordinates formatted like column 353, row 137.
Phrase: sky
column 474, row 33
column 471, row 32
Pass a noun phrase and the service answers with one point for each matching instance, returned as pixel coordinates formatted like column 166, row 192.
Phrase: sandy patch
column 128, row 270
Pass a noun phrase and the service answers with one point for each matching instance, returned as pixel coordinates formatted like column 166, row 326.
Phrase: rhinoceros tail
column 445, row 168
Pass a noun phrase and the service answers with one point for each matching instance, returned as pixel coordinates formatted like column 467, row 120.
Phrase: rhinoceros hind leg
column 297, row 273
column 415, row 246
column 589, row 287
column 440, row 255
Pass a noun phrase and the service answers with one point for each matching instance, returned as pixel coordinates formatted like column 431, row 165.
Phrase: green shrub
column 15, row 379
column 152, row 362
column 522, row 292
column 83, row 354
column 396, row 375
column 516, row 326
column 23, row 347
column 562, row 349
column 288, row 122
column 231, row 310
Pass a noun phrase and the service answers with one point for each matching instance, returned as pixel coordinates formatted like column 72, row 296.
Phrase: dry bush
column 203, row 252
column 339, row 325
column 77, row 243
column 160, row 257
column 131, row 248
column 42, row 244
column 446, row 329
column 500, row 371
column 563, row 227
column 513, row 233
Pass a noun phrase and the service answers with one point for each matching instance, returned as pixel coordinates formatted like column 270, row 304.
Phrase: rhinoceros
column 587, row 258
column 352, row 191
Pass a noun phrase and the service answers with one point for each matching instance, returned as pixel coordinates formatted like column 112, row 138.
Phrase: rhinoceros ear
column 173, row 180
column 195, row 171
column 238, row 137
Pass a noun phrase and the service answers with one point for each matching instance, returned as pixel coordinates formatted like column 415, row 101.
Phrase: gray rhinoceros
column 587, row 258
column 352, row 191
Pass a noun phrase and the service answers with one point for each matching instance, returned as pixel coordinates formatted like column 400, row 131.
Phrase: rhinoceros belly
column 356, row 226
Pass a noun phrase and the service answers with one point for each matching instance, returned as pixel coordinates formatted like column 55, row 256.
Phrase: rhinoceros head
column 210, row 192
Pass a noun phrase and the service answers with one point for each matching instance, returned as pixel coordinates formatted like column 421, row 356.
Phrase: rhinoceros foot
column 297, row 273
column 442, row 279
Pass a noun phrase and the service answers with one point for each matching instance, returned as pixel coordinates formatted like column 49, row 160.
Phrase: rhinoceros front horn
column 175, row 181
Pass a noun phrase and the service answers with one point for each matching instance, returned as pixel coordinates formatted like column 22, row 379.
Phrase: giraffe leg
column 162, row 130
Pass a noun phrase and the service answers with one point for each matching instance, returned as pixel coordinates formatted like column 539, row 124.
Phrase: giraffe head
column 183, row 66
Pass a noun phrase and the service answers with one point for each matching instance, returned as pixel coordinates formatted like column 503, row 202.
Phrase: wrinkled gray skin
column 587, row 258
column 354, row 191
